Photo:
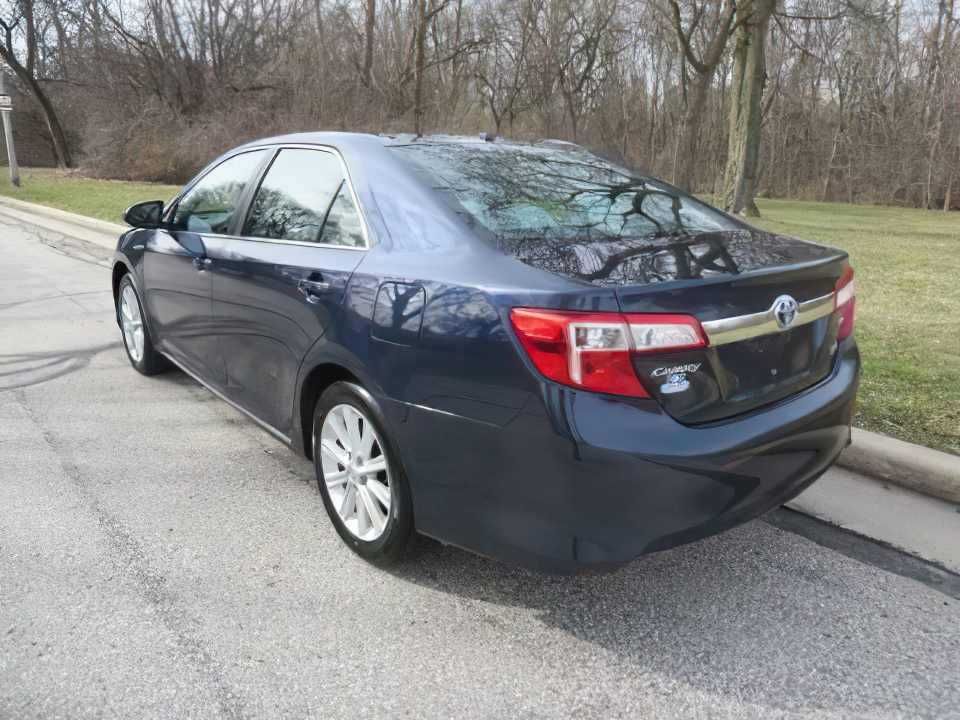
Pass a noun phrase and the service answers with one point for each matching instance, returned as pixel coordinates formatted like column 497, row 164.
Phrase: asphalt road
column 161, row 556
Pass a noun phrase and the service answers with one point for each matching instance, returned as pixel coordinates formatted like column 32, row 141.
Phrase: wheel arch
column 318, row 379
column 120, row 269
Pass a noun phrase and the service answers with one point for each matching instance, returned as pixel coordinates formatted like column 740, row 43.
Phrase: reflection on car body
column 521, row 349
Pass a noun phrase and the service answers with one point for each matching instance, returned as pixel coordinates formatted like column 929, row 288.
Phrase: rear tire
column 363, row 487
column 136, row 338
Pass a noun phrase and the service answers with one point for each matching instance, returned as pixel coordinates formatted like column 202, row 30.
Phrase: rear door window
column 304, row 198
column 211, row 204
column 343, row 226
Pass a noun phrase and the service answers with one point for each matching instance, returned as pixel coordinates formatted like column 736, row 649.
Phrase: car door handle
column 202, row 264
column 312, row 289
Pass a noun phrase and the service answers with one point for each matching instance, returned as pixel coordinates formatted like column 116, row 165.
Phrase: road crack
column 71, row 247
column 150, row 584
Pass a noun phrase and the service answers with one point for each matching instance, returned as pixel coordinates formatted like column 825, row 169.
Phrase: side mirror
column 144, row 214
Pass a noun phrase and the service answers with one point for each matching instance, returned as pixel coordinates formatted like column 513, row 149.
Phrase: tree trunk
column 749, row 77
column 695, row 92
column 690, row 132
column 951, row 173
column 58, row 138
column 572, row 115
column 420, row 67
column 368, row 42
column 825, row 194
column 61, row 150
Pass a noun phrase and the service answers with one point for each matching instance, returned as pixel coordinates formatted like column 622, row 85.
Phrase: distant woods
column 851, row 100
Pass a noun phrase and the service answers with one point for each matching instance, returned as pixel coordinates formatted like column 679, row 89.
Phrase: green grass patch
column 908, row 292
column 907, row 266
column 103, row 199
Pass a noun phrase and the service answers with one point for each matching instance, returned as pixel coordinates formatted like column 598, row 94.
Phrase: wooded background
column 851, row 100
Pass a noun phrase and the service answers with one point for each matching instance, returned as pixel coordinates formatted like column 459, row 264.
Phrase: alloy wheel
column 132, row 323
column 355, row 471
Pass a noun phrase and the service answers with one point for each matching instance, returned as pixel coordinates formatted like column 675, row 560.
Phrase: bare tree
column 583, row 43
column 714, row 21
column 422, row 19
column 749, row 78
column 502, row 67
column 370, row 24
column 855, row 100
column 21, row 26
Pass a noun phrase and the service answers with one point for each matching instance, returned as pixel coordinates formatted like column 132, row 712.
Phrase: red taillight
column 592, row 350
column 845, row 304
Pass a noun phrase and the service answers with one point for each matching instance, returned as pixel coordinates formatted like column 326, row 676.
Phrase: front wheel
column 136, row 339
column 362, row 484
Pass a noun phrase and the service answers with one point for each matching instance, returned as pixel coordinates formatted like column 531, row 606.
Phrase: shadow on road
column 757, row 614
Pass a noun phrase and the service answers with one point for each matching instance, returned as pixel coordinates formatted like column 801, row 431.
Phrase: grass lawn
column 907, row 265
column 103, row 199
column 908, row 292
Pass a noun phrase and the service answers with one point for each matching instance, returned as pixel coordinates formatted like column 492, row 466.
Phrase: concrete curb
column 920, row 525
column 108, row 228
column 82, row 227
column 918, row 468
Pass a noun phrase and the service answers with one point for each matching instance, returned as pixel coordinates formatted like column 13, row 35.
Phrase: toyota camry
column 522, row 349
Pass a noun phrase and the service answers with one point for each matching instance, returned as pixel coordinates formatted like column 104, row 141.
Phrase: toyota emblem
column 785, row 311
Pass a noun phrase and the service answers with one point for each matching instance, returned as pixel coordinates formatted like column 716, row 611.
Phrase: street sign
column 6, row 103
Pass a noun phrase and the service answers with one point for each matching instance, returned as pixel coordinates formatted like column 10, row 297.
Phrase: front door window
column 211, row 204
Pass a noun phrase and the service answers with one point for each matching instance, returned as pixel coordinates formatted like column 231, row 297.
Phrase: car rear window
column 538, row 193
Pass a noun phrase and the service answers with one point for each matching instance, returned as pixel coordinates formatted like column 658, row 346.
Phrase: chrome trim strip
column 281, row 241
column 265, row 425
column 447, row 413
column 744, row 327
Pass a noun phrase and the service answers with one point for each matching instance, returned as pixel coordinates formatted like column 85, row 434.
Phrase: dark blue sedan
column 521, row 349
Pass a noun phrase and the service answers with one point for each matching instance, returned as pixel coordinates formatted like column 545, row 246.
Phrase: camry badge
column 677, row 382
column 785, row 311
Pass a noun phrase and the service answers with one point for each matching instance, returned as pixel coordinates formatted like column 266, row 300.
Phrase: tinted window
column 343, row 225
column 295, row 195
column 210, row 205
column 542, row 194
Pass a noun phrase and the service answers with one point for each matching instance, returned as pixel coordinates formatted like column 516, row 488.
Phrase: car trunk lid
column 737, row 284
column 731, row 281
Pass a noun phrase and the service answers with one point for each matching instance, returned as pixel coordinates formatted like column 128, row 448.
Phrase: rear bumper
column 578, row 481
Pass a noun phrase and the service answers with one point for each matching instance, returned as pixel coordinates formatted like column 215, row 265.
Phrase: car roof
column 358, row 141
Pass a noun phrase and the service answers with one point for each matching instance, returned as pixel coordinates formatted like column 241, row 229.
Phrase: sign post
column 6, row 107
